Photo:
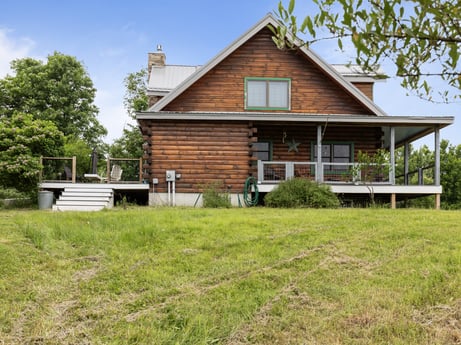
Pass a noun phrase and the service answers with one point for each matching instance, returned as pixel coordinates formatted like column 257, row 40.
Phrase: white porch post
column 406, row 159
column 437, row 157
column 392, row 153
column 319, row 177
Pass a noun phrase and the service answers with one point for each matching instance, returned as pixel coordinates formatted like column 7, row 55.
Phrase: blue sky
column 112, row 39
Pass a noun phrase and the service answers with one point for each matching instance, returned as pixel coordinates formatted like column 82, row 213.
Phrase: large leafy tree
column 22, row 141
column 422, row 38
column 135, row 99
column 58, row 90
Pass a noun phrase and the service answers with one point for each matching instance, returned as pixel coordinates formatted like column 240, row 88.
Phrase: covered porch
column 347, row 176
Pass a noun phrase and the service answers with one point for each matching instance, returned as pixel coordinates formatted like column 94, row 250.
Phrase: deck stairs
column 92, row 197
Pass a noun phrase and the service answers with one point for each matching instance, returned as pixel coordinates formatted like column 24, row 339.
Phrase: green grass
column 230, row 276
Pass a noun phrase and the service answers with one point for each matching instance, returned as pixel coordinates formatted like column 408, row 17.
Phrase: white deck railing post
column 260, row 171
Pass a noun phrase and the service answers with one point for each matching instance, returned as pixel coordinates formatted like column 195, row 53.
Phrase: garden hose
column 251, row 192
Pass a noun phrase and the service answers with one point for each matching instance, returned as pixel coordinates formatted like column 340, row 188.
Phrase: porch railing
column 274, row 172
column 281, row 171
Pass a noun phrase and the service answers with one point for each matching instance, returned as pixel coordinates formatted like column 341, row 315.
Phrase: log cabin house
column 255, row 110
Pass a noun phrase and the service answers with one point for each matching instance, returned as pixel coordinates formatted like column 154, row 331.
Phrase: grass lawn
column 230, row 276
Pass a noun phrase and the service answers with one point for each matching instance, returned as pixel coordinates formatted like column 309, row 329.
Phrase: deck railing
column 64, row 170
column 58, row 169
column 275, row 172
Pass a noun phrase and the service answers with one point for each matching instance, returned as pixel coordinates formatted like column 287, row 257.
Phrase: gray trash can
column 45, row 199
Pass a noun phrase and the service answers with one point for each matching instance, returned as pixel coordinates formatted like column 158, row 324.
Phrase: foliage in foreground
column 420, row 38
column 230, row 276
column 299, row 192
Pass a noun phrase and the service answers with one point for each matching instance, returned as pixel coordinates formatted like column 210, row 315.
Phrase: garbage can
column 45, row 199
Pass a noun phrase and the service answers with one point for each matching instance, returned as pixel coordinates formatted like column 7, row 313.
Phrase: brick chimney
column 155, row 59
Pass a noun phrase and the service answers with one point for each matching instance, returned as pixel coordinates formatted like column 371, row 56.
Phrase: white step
column 81, row 197
column 88, row 190
column 89, row 194
column 79, row 202
column 76, row 208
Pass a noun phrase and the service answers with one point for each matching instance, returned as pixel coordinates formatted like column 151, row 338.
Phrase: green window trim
column 268, row 97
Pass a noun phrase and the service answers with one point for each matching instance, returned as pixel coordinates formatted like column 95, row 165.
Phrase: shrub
column 214, row 197
column 300, row 192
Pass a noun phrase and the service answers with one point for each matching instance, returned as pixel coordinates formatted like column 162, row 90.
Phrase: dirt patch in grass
column 443, row 321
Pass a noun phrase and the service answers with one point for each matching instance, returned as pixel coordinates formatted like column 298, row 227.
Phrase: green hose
column 251, row 185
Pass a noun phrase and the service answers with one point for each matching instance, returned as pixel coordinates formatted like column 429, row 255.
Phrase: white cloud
column 12, row 49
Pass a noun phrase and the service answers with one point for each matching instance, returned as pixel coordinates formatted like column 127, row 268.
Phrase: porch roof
column 407, row 128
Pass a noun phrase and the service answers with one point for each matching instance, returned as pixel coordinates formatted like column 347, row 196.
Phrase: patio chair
column 67, row 173
column 116, row 173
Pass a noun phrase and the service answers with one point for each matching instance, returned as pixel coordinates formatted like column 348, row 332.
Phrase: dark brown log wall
column 222, row 89
column 203, row 153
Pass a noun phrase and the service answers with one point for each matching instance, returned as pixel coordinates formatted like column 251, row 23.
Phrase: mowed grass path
column 231, row 276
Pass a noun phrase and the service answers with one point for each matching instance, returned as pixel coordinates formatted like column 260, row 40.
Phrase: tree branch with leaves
column 422, row 38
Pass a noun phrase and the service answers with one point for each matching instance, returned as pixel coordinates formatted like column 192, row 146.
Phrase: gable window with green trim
column 267, row 93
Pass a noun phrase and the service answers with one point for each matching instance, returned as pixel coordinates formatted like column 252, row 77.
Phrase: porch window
column 335, row 153
column 264, row 94
column 262, row 150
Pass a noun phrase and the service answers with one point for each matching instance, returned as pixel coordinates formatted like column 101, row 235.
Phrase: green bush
column 214, row 197
column 300, row 192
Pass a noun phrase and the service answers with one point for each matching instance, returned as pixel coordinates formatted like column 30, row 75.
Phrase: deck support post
column 74, row 169
column 393, row 201
column 319, row 177
column 437, row 202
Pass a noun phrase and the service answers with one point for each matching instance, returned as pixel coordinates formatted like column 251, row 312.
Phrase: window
column 335, row 153
column 267, row 93
column 340, row 155
column 262, row 150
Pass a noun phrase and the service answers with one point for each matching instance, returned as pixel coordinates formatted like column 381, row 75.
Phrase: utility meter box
column 170, row 175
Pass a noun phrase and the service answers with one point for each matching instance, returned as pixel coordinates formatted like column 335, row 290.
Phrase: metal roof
column 163, row 79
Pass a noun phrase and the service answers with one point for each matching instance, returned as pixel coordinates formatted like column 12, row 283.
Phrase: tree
column 450, row 174
column 422, row 38
column 371, row 168
column 135, row 99
column 59, row 90
column 22, row 141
